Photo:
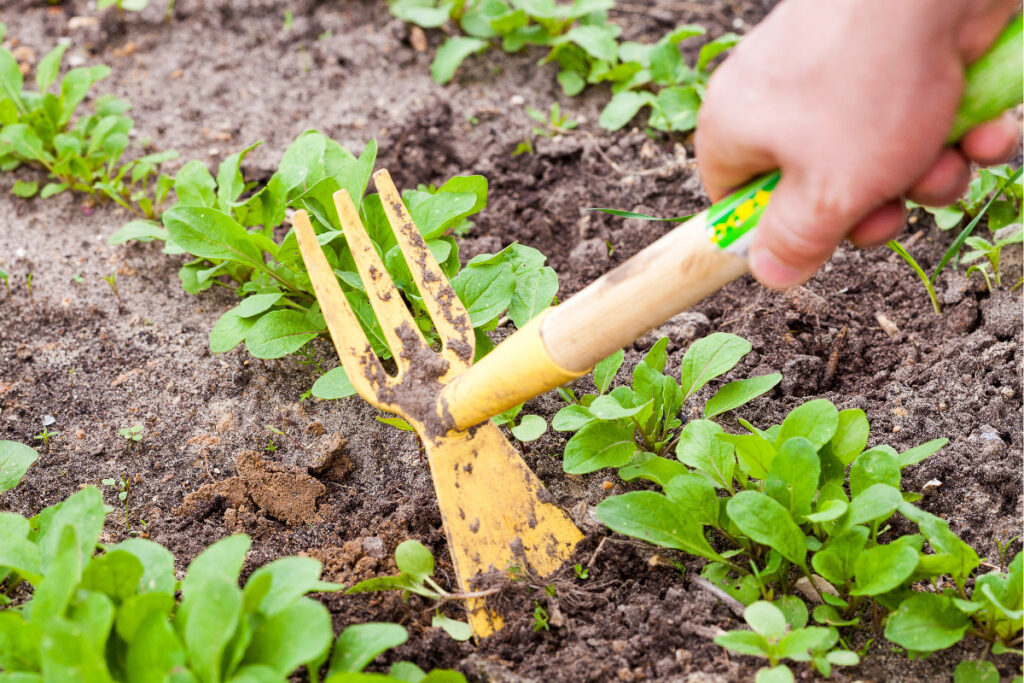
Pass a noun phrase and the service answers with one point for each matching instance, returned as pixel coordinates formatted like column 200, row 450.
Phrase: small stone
column 418, row 39
column 887, row 325
column 931, row 485
column 374, row 547
column 316, row 429
column 517, row 100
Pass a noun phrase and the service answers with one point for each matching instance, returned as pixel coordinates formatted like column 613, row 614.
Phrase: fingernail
column 771, row 272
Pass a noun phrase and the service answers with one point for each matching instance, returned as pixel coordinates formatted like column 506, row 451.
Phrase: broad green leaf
column 298, row 633
column 138, row 609
column 157, row 564
column 485, row 290
column 25, row 189
column 675, row 109
column 450, row 55
column 816, row 421
column 11, row 80
column 116, row 573
column 23, row 141
column 793, row 478
column 943, row 540
column 425, row 13
column 765, row 521
column 222, row 559
column 139, row 230
column 654, row 518
column 976, row 671
column 19, row 644
column 15, row 459
column 434, row 213
column 207, row 619
column 54, row 592
column 710, row 357
column 875, row 466
column 713, row 48
column 698, row 448
column 794, row 609
column 754, row 453
column 359, row 644
column 279, row 333
column 530, row 428
column 766, row 619
column 801, row 643
column 413, row 558
column 608, row 408
column 571, row 418
column 835, row 562
column 876, row 502
column 195, row 186
column 606, row 370
column 93, row 614
column 208, row 233
column 458, row 630
column 154, row 652
column 334, row 384
column 229, row 331
column 534, row 291
column 230, row 183
column 67, row 655
column 600, row 444
column 16, row 551
column 851, row 435
column 290, row 579
column 883, row 568
column 744, row 643
column 85, row 512
column 695, row 496
column 597, row 41
column 776, row 674
column 828, row 511
column 657, row 355
column 653, row 468
column 737, row 393
column 926, row 622
column 919, row 453
column 621, row 109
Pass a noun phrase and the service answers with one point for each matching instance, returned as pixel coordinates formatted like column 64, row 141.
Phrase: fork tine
column 357, row 357
column 384, row 296
column 446, row 311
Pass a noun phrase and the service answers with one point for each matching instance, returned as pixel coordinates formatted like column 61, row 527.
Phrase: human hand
column 853, row 101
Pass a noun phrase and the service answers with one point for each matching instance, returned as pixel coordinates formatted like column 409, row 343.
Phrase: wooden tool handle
column 693, row 260
column 671, row 274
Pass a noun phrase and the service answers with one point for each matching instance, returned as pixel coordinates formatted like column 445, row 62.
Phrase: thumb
column 797, row 233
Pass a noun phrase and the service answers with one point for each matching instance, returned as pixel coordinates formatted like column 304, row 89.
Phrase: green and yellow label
column 731, row 220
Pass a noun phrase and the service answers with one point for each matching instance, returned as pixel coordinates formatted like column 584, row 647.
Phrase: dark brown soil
column 346, row 489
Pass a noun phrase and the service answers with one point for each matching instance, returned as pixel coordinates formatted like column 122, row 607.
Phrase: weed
column 84, row 155
column 111, row 281
column 581, row 573
column 133, row 434
column 524, row 147
column 46, row 435
column 28, row 282
column 530, row 427
column 289, row 20
column 551, row 124
column 77, row 279
column 800, row 507
column 271, row 446
column 540, row 618
column 232, row 244
column 123, row 486
column 1010, row 187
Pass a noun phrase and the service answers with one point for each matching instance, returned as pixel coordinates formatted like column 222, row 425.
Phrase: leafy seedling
column 111, row 281
column 540, row 618
column 46, row 435
column 15, row 459
column 416, row 565
column 581, row 573
column 990, row 251
column 551, row 124
column 775, row 637
column 133, row 434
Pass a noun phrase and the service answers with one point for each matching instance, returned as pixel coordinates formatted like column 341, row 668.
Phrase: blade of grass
column 643, row 216
column 899, row 249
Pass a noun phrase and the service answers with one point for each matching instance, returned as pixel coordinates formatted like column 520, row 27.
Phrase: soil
column 345, row 488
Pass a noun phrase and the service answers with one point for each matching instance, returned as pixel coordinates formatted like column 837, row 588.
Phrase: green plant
column 551, row 124
column 232, row 242
column 779, row 635
column 116, row 616
column 540, row 618
column 123, row 486
column 134, row 6
column 530, row 427
column 1010, row 188
column 415, row 566
column 36, row 127
column 990, row 251
column 133, row 434
column 798, row 507
column 4, row 277
column 46, row 435
column 989, row 183
column 15, row 459
column 580, row 572
column 634, row 428
column 586, row 49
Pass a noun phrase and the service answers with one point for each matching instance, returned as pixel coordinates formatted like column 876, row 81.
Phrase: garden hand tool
column 678, row 270
column 495, row 510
